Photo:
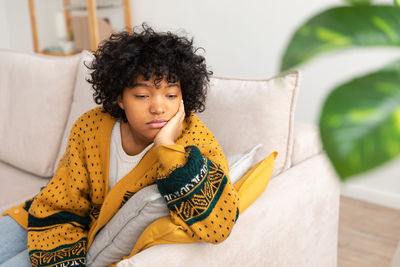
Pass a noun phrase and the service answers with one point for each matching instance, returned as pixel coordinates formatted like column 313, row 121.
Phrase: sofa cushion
column 17, row 186
column 35, row 100
column 82, row 99
column 243, row 113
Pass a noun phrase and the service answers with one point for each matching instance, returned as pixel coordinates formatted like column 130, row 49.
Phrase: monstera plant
column 360, row 119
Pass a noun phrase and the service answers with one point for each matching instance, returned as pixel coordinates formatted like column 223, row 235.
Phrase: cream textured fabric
column 243, row 113
column 307, row 142
column 294, row 222
column 82, row 99
column 35, row 98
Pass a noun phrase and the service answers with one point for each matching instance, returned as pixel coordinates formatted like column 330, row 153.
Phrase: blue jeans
column 13, row 244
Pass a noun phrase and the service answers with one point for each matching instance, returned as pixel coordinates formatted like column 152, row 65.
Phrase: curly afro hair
column 124, row 56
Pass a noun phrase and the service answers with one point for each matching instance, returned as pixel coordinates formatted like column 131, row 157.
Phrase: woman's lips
column 157, row 124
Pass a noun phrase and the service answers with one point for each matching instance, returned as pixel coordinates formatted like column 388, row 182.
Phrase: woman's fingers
column 182, row 110
column 170, row 132
column 179, row 114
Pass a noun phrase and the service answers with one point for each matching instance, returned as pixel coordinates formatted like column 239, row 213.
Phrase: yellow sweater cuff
column 170, row 158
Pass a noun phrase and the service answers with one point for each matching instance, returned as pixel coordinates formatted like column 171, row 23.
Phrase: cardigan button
column 16, row 211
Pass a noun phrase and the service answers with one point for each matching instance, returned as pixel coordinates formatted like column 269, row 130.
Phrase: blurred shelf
column 75, row 7
column 49, row 53
column 92, row 21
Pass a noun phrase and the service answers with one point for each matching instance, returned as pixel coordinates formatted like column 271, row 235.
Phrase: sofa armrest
column 294, row 222
column 307, row 142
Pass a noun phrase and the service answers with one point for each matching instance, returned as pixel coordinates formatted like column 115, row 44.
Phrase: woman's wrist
column 163, row 142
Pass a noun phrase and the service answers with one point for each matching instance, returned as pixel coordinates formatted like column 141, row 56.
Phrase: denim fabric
column 13, row 243
column 19, row 260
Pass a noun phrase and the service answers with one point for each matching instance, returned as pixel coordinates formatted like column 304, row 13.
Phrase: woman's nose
column 157, row 105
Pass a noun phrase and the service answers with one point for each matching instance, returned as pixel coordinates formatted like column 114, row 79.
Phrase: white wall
column 4, row 38
column 246, row 39
column 18, row 23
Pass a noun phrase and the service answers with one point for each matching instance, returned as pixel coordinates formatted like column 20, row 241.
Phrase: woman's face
column 148, row 107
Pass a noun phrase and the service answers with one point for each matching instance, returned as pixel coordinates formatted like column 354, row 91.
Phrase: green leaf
column 359, row 2
column 360, row 122
column 396, row 3
column 343, row 27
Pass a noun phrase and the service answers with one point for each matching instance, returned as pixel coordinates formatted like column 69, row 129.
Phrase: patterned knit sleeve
column 195, row 184
column 58, row 216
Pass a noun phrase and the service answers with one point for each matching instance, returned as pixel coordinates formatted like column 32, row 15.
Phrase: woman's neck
column 131, row 144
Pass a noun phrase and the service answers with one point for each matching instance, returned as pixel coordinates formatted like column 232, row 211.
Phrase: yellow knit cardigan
column 192, row 175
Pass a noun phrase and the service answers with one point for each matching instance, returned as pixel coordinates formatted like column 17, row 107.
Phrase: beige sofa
column 293, row 223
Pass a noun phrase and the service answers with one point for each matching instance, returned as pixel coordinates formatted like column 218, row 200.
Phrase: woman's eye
column 172, row 96
column 140, row 96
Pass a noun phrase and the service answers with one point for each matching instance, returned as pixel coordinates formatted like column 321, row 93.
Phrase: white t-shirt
column 120, row 162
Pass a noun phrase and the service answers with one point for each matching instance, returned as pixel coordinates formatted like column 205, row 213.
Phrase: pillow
column 254, row 182
column 262, row 111
column 249, row 187
column 35, row 100
column 120, row 234
column 239, row 164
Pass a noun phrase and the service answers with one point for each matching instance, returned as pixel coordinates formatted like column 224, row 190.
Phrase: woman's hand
column 170, row 132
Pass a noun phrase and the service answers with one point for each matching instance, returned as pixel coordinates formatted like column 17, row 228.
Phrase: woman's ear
column 120, row 103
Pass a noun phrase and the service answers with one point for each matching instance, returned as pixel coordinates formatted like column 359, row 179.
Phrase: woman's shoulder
column 93, row 122
column 196, row 131
column 94, row 117
column 193, row 119
column 92, row 114
column 193, row 122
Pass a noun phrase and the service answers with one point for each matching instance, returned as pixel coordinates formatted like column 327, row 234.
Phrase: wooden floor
column 368, row 234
